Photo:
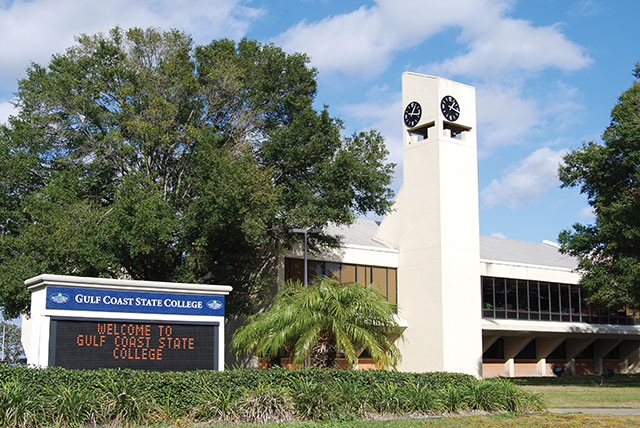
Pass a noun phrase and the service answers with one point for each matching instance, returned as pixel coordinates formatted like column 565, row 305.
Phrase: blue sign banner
column 90, row 299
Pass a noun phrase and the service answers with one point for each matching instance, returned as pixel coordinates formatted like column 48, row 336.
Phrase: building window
column 547, row 301
column 383, row 279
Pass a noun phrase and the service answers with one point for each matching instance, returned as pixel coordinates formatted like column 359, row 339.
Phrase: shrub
column 73, row 405
column 419, row 398
column 18, row 405
column 217, row 404
column 56, row 396
column 514, row 398
column 265, row 404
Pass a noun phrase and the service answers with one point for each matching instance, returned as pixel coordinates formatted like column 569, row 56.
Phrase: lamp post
column 306, row 232
column 3, row 334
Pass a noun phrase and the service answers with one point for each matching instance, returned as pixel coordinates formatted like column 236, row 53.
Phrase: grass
column 618, row 392
column 505, row 420
column 588, row 380
column 588, row 397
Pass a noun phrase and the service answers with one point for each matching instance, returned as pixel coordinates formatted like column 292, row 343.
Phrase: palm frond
column 352, row 315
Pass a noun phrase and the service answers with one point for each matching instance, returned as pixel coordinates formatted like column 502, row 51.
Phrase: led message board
column 91, row 344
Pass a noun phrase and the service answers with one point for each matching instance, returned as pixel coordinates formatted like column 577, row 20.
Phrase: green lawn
column 569, row 396
column 621, row 391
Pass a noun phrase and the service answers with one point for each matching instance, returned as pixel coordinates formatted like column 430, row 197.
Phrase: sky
column 547, row 73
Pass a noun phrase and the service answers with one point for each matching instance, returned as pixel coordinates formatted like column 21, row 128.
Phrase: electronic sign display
column 162, row 346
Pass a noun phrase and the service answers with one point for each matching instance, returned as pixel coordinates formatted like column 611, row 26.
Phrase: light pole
column 3, row 334
column 306, row 232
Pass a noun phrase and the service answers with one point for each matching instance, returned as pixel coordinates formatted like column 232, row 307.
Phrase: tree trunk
column 324, row 352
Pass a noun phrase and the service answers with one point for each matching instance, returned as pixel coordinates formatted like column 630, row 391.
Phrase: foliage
column 609, row 175
column 266, row 404
column 320, row 320
column 10, row 337
column 56, row 396
column 138, row 154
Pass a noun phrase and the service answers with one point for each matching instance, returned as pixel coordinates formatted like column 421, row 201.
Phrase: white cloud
column 32, row 30
column 498, row 235
column 500, row 55
column 588, row 8
column 525, row 182
column 365, row 40
column 7, row 109
column 500, row 46
column 508, row 115
column 505, row 116
column 587, row 213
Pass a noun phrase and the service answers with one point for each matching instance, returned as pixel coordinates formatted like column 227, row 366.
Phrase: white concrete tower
column 435, row 227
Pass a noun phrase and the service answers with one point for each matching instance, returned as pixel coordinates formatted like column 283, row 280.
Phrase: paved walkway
column 593, row 411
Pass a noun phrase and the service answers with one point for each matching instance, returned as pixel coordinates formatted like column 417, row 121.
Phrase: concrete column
column 509, row 368
column 573, row 347
column 632, row 362
column 544, row 347
column 601, row 348
column 630, row 353
column 512, row 346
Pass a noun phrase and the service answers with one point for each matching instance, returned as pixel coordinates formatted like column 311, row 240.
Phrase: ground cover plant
column 502, row 420
column 56, row 396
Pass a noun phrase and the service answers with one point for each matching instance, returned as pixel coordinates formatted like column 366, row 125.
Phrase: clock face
column 412, row 114
column 450, row 108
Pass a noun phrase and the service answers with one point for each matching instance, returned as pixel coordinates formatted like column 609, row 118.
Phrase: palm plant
column 320, row 320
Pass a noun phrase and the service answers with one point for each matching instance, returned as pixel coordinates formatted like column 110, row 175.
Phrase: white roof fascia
column 124, row 284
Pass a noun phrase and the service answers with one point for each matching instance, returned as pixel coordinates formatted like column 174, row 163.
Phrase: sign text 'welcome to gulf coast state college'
column 151, row 345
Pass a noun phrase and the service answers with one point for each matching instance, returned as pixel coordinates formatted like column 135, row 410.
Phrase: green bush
column 56, row 396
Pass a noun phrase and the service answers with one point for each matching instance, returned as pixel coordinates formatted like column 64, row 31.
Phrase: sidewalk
column 596, row 411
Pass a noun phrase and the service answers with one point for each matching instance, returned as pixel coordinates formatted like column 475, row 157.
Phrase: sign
column 91, row 344
column 91, row 299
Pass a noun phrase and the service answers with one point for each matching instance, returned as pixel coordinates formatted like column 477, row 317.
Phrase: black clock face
column 450, row 108
column 412, row 114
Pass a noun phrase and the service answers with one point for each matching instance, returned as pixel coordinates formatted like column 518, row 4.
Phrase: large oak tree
column 608, row 173
column 139, row 155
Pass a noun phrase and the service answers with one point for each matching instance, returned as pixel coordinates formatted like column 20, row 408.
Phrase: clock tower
column 435, row 227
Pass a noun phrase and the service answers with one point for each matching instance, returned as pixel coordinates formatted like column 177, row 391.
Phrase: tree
column 10, row 339
column 139, row 155
column 609, row 174
column 320, row 320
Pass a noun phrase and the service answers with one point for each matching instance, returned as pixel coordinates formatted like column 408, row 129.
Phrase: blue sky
column 547, row 73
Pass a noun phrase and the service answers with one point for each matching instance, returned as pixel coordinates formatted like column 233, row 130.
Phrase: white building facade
column 471, row 304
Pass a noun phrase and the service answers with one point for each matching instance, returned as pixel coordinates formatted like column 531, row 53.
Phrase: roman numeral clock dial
column 412, row 114
column 450, row 108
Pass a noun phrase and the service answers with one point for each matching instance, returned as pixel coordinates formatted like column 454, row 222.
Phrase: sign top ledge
column 44, row 280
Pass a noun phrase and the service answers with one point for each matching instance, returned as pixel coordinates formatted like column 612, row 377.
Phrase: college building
column 468, row 303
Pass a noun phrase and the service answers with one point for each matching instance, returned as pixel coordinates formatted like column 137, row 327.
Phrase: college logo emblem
column 214, row 304
column 59, row 298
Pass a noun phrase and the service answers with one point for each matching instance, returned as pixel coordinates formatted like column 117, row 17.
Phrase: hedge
column 32, row 397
